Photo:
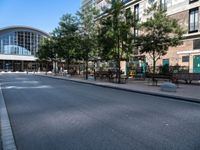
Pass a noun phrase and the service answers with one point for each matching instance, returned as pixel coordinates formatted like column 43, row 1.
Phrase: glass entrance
column 17, row 66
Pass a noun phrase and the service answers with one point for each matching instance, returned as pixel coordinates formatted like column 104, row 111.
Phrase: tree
column 47, row 51
column 88, row 34
column 159, row 32
column 66, row 35
column 115, row 36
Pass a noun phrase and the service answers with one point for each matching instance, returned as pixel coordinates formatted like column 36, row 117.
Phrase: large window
column 185, row 58
column 20, row 43
column 196, row 44
column 193, row 20
column 192, row 1
column 163, row 4
column 136, row 13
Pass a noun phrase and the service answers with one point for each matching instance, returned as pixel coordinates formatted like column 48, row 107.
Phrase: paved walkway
column 7, row 138
column 0, row 138
column 184, row 91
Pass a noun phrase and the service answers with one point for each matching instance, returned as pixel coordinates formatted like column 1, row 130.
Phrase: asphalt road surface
column 52, row 114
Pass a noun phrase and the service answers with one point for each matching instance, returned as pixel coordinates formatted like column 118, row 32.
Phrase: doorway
column 196, row 64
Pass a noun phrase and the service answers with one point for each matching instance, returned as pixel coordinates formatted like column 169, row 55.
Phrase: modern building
column 87, row 3
column 18, row 47
column 187, row 13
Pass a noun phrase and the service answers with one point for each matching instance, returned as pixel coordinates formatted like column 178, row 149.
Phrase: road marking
column 7, row 137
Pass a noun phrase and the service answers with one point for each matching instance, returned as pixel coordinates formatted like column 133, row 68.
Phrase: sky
column 41, row 14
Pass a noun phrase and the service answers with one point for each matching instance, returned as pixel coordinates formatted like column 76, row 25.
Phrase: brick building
column 188, row 54
column 187, row 14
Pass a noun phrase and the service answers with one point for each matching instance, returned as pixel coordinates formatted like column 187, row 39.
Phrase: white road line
column 8, row 141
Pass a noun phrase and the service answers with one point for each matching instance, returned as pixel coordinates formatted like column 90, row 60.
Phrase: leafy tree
column 115, row 35
column 88, row 34
column 47, row 51
column 159, row 32
column 66, row 35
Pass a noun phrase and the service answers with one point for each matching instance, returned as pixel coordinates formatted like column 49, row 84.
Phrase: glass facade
column 18, row 48
column 20, row 42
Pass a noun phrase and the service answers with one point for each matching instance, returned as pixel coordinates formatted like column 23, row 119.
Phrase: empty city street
column 53, row 114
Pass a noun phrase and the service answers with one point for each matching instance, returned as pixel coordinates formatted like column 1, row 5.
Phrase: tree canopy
column 116, row 39
column 158, row 33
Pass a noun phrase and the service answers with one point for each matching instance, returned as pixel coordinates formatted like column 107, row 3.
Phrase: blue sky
column 42, row 14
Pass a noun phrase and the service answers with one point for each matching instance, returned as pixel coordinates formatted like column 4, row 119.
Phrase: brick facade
column 175, row 54
column 177, row 9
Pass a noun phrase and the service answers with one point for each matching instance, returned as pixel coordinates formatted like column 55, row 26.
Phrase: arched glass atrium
column 20, row 41
column 19, row 44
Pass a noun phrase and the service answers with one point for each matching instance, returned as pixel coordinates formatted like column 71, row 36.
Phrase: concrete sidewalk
column 0, row 137
column 185, row 92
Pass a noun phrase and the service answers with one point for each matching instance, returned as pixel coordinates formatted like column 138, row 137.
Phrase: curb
column 193, row 100
column 8, row 141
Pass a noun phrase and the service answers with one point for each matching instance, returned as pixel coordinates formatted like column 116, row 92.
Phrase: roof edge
column 24, row 27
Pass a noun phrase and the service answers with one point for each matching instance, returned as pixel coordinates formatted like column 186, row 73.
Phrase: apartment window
column 193, row 20
column 136, row 11
column 126, row 1
column 185, row 58
column 192, row 1
column 163, row 4
column 136, row 32
column 196, row 44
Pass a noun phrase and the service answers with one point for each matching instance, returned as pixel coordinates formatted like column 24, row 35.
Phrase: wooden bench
column 102, row 75
column 154, row 78
column 187, row 77
column 123, row 79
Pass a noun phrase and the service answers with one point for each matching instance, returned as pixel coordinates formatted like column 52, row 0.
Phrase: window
column 193, row 20
column 196, row 44
column 126, row 1
column 185, row 58
column 136, row 32
column 136, row 11
column 192, row 1
column 151, row 1
column 165, row 62
column 163, row 4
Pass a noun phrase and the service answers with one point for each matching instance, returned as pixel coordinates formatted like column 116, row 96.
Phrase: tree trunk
column 154, row 63
column 86, row 68
column 94, row 71
column 68, row 62
column 79, row 69
column 118, row 61
column 47, row 66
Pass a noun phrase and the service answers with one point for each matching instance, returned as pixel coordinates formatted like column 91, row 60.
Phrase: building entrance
column 21, row 66
column 7, row 65
column 17, row 66
column 196, row 64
